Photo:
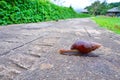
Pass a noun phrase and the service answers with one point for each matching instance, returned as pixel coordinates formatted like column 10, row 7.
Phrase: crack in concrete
column 89, row 35
column 7, row 52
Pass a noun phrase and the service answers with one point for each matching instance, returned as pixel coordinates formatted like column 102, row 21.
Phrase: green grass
column 111, row 23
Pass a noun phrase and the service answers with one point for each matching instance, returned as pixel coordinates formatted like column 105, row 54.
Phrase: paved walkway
column 30, row 51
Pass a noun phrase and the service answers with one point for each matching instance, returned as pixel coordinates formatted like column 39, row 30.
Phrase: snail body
column 81, row 46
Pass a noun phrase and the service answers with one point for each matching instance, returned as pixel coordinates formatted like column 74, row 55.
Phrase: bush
column 26, row 11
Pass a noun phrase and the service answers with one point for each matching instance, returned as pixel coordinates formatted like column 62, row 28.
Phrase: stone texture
column 30, row 51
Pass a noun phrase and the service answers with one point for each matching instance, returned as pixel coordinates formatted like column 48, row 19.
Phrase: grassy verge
column 111, row 23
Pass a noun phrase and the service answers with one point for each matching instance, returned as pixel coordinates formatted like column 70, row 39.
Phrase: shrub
column 26, row 11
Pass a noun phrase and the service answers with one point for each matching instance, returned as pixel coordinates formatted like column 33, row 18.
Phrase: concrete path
column 30, row 52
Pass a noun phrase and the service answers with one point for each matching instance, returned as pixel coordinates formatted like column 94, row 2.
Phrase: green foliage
column 111, row 23
column 116, row 4
column 26, row 11
column 98, row 8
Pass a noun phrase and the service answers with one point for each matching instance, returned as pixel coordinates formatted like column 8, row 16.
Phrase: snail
column 82, row 46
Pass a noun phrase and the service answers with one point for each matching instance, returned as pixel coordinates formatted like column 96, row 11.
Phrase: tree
column 93, row 9
column 98, row 8
column 116, row 4
column 103, row 8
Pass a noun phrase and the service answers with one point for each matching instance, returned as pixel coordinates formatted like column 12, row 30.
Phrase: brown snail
column 81, row 46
